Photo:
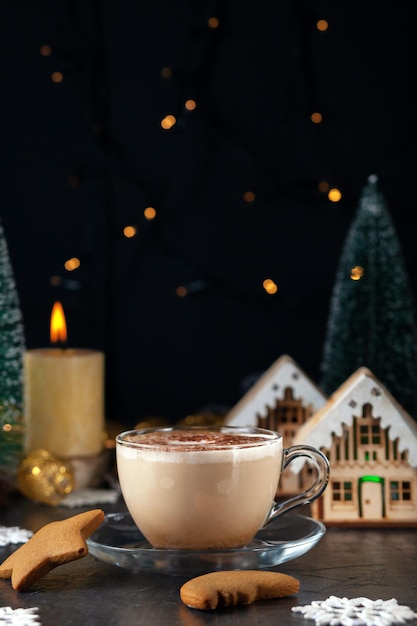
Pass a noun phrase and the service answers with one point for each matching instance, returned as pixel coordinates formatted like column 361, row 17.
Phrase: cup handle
column 321, row 463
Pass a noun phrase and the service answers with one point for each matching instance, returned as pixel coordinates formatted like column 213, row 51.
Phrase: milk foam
column 186, row 452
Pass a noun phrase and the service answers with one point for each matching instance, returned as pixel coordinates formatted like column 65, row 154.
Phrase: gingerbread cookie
column 54, row 544
column 229, row 588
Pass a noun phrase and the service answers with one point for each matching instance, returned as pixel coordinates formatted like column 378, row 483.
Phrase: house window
column 340, row 445
column 288, row 434
column 346, row 442
column 370, row 434
column 400, row 491
column 342, row 491
column 395, row 449
column 369, row 438
column 289, row 410
column 289, row 414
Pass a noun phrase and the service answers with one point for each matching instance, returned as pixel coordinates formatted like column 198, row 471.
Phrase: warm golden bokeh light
column 129, row 231
column 190, row 105
column 55, row 280
column 72, row 264
column 269, row 286
column 316, row 117
column 45, row 51
column 322, row 25
column 323, row 186
column 213, row 22
column 57, row 77
column 334, row 195
column 168, row 122
column 249, row 196
column 58, row 325
column 181, row 291
column 356, row 272
column 166, row 72
column 7, row 428
column 149, row 213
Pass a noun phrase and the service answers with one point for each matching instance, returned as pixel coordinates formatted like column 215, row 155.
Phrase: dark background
column 83, row 157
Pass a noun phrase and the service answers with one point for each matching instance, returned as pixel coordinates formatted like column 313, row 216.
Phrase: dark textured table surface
column 375, row 563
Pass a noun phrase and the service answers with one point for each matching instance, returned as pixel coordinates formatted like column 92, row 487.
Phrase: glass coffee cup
column 214, row 487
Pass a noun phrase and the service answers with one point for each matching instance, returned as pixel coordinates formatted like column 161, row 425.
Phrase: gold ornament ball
column 43, row 477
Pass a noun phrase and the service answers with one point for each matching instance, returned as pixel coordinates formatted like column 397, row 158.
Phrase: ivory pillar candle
column 64, row 401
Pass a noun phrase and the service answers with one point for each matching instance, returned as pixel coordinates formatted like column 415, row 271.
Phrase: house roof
column 270, row 387
column 360, row 388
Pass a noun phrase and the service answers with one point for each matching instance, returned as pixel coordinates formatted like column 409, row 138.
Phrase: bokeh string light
column 171, row 120
column 188, row 156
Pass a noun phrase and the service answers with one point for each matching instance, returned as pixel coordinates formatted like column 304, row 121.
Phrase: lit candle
column 64, row 396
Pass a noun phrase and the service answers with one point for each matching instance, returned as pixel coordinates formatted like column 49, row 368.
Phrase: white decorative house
column 282, row 399
column 371, row 443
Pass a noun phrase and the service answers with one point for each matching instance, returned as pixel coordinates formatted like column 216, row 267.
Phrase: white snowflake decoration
column 90, row 497
column 19, row 617
column 356, row 612
column 13, row 534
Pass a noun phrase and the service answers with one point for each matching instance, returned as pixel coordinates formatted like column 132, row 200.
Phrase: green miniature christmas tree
column 372, row 318
column 11, row 356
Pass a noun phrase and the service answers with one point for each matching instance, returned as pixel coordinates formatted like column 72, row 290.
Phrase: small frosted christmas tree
column 372, row 318
column 11, row 356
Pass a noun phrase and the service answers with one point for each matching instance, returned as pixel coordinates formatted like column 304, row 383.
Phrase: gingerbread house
column 371, row 443
column 282, row 399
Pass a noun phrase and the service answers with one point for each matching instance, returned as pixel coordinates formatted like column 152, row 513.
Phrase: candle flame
column 58, row 324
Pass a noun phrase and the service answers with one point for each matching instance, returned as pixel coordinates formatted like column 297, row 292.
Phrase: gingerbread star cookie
column 54, row 544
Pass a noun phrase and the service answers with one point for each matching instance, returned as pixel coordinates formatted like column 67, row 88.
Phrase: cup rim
column 261, row 437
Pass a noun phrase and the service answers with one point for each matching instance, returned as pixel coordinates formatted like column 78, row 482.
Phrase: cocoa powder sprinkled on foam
column 190, row 440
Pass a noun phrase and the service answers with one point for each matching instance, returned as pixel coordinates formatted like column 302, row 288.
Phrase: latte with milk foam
column 198, row 489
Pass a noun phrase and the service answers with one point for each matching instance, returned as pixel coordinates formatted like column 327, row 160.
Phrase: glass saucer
column 119, row 542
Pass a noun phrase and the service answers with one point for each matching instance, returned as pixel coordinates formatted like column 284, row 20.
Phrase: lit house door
column 371, row 497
